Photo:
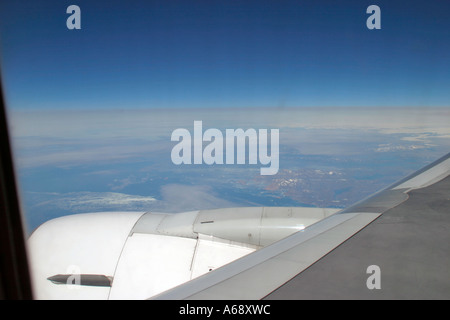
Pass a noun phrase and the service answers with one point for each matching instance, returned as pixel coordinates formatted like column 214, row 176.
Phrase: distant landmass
column 72, row 162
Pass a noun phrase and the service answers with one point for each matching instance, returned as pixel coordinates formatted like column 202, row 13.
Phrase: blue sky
column 164, row 54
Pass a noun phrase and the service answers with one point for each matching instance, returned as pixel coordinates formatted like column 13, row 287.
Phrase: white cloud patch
column 78, row 202
column 181, row 198
column 392, row 148
column 174, row 198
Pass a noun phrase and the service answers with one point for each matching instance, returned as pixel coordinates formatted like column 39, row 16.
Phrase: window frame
column 15, row 280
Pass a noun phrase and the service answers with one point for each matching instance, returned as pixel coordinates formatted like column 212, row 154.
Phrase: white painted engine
column 137, row 255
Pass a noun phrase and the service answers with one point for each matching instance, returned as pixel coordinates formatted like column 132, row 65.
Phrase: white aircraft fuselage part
column 137, row 255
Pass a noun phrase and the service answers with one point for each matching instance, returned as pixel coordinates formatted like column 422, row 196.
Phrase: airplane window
column 143, row 112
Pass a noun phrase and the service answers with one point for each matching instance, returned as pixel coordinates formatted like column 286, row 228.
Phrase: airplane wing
column 404, row 231
column 393, row 244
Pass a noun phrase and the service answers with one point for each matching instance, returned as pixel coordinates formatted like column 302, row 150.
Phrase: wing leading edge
column 402, row 230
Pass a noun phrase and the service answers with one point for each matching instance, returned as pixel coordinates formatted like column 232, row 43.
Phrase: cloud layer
column 61, row 138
